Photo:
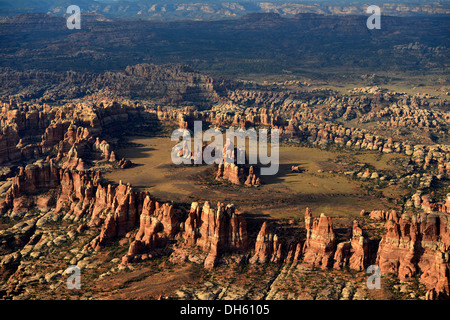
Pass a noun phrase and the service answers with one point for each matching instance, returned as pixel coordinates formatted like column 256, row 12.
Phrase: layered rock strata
column 418, row 244
column 320, row 243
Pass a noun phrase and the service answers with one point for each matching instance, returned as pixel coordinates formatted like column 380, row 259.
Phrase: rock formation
column 158, row 224
column 383, row 215
column 221, row 230
column 79, row 194
column 418, row 244
column 319, row 246
column 354, row 253
column 267, row 247
column 215, row 231
column 233, row 171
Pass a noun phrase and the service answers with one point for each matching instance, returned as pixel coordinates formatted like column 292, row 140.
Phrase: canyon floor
column 321, row 184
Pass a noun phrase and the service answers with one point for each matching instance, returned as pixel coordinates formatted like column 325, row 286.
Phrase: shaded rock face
column 221, row 230
column 230, row 172
column 418, row 244
column 31, row 180
column 267, row 247
column 354, row 253
column 319, row 247
column 9, row 138
column 119, row 208
column 37, row 177
column 158, row 224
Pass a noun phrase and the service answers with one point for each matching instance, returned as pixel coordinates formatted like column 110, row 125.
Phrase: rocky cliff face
column 413, row 244
column 319, row 247
column 267, row 247
column 9, row 138
column 158, row 224
column 353, row 253
column 236, row 174
column 57, row 132
column 80, row 194
column 416, row 245
column 221, row 230
column 215, row 231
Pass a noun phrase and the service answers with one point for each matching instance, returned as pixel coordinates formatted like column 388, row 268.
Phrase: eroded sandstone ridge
column 354, row 253
column 117, row 210
column 215, row 231
column 70, row 132
column 77, row 195
column 319, row 249
column 418, row 245
column 414, row 245
column 267, row 247
column 158, row 224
